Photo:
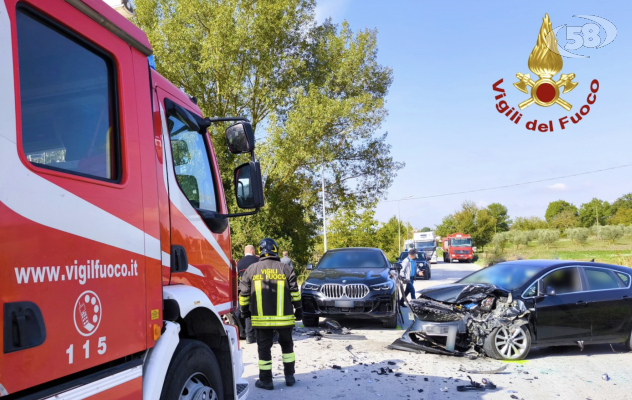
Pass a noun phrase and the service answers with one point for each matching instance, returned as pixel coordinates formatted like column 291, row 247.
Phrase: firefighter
column 269, row 296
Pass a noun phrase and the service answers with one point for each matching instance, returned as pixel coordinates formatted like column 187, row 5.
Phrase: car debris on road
column 462, row 325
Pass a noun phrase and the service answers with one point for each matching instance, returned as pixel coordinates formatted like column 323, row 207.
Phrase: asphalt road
column 550, row 373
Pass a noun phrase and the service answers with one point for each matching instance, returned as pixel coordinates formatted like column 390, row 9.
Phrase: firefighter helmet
column 268, row 248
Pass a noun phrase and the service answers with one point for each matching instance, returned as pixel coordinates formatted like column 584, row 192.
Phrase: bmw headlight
column 382, row 286
column 310, row 286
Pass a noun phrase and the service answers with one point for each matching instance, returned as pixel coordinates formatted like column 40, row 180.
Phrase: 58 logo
column 591, row 35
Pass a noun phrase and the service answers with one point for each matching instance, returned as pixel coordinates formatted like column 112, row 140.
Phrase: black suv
column 352, row 283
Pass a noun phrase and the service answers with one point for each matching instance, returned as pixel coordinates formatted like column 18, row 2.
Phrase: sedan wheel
column 506, row 343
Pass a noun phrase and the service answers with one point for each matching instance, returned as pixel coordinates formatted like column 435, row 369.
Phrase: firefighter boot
column 264, row 385
column 289, row 380
column 288, row 368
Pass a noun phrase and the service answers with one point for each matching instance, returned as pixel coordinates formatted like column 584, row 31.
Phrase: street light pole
column 399, row 222
column 324, row 213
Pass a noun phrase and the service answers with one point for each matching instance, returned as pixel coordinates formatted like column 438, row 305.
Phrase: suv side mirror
column 310, row 267
column 248, row 185
column 397, row 267
column 240, row 138
column 550, row 291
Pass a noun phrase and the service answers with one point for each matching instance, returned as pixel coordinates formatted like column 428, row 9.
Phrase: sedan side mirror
column 310, row 267
column 240, row 138
column 248, row 185
column 397, row 267
column 550, row 291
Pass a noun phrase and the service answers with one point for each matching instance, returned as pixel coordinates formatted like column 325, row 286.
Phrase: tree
column 564, row 220
column 499, row 212
column 578, row 235
column 500, row 241
column 520, row 238
column 426, row 229
column 351, row 227
column 622, row 216
column 314, row 93
column 557, row 207
column 610, row 233
column 386, row 238
column 447, row 226
column 624, row 201
column 472, row 220
column 548, row 236
column 588, row 213
column 528, row 224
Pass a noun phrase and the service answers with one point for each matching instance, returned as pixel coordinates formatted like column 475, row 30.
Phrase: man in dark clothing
column 286, row 259
column 243, row 264
column 269, row 293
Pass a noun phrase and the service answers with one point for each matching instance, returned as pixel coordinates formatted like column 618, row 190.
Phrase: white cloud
column 558, row 186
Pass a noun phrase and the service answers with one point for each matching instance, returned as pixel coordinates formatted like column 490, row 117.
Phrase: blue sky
column 442, row 118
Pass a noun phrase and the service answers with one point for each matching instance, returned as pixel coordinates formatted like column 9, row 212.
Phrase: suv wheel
column 310, row 322
column 628, row 343
column 507, row 343
column 428, row 275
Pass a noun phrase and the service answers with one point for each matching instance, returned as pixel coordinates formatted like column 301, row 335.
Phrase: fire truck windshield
column 461, row 242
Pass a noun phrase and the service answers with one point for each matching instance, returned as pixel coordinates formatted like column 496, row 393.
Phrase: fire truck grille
column 461, row 252
column 336, row 291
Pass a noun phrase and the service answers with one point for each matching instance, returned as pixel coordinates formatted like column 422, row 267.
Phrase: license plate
column 411, row 316
column 344, row 303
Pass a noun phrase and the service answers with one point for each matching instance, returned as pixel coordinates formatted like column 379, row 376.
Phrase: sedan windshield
column 353, row 259
column 505, row 275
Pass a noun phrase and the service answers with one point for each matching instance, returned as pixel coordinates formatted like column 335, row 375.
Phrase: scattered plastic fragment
column 486, row 372
column 336, row 367
column 443, row 389
column 392, row 363
column 420, row 390
column 331, row 324
column 511, row 391
column 605, row 377
column 513, row 396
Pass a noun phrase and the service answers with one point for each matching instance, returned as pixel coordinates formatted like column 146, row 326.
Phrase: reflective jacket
column 269, row 288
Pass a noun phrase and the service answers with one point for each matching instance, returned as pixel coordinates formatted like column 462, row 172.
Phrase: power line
column 514, row 184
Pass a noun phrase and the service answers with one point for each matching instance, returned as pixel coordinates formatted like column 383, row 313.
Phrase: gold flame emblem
column 545, row 64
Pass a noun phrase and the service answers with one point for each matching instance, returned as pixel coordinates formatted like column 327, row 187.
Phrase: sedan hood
column 459, row 293
column 368, row 276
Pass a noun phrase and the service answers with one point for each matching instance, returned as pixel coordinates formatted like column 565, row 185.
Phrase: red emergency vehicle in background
column 115, row 253
column 458, row 246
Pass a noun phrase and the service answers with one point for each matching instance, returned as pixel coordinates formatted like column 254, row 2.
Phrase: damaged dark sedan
column 505, row 309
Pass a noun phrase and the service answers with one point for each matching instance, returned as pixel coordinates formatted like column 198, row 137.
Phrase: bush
column 578, row 235
column 548, row 236
column 610, row 233
column 500, row 240
column 627, row 230
column 521, row 238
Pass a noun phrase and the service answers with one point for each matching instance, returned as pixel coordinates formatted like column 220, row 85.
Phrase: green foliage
column 351, row 227
column 500, row 241
column 610, row 233
column 557, row 207
column 426, row 229
column 548, row 236
column 528, row 224
column 314, row 93
column 628, row 230
column 521, row 238
column 499, row 212
column 623, row 202
column 386, row 238
column 588, row 213
column 564, row 220
column 578, row 235
column 470, row 219
column 622, row 216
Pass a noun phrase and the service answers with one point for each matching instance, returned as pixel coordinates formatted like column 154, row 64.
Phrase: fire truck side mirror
column 249, row 186
column 240, row 138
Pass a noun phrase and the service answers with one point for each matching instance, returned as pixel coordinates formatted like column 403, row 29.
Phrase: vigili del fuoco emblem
column 545, row 64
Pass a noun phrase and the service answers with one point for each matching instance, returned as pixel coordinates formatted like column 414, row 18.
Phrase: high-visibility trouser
column 264, row 346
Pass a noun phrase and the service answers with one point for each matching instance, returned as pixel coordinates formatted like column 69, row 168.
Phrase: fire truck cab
column 458, row 246
column 115, row 252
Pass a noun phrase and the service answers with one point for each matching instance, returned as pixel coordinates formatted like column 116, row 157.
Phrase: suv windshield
column 353, row 259
column 465, row 242
column 505, row 275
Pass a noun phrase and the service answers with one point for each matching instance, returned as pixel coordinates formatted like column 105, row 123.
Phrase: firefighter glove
column 298, row 314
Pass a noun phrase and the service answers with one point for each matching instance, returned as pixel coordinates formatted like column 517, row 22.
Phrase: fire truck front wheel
column 193, row 373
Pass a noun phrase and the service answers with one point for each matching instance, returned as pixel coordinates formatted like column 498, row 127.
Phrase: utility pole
column 597, row 214
column 324, row 213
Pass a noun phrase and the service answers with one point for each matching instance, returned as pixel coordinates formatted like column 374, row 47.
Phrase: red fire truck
column 115, row 252
column 457, row 246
